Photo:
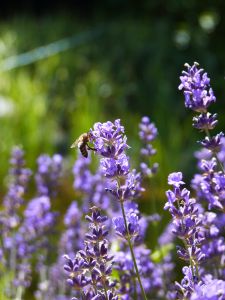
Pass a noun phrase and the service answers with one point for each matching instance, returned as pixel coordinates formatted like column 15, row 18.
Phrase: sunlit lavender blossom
column 198, row 96
column 132, row 223
column 48, row 174
column 187, row 285
column 151, row 274
column 210, row 185
column 197, row 91
column 89, row 272
column 187, row 224
column 110, row 142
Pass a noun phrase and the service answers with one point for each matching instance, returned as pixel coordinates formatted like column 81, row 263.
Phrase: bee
column 82, row 144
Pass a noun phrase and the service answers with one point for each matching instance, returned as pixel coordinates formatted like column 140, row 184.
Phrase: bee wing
column 75, row 144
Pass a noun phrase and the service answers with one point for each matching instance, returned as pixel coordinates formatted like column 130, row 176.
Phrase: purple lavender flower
column 148, row 133
column 210, row 186
column 109, row 138
column 38, row 217
column 213, row 143
column 209, row 289
column 48, row 174
column 91, row 268
column 196, row 86
column 19, row 179
column 83, row 177
column 70, row 242
column 132, row 224
column 110, row 142
column 187, row 224
column 10, row 221
column 188, row 283
column 175, row 179
column 198, row 97
column 205, row 121
column 71, row 239
column 91, row 185
column 151, row 274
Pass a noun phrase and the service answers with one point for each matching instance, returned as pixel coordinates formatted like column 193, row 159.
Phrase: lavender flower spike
column 89, row 272
column 110, row 142
column 198, row 94
column 196, row 86
column 186, row 222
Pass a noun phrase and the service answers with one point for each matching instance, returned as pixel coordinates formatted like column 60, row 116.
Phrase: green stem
column 135, row 288
column 106, row 296
column 132, row 252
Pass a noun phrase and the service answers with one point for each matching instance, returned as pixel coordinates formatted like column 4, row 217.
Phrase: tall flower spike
column 198, row 94
column 90, row 271
column 110, row 142
column 187, row 225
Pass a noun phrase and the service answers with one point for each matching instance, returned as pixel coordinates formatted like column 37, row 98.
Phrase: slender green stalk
column 132, row 252
column 135, row 288
column 105, row 291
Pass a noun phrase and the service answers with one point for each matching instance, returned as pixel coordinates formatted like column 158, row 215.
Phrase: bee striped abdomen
column 83, row 149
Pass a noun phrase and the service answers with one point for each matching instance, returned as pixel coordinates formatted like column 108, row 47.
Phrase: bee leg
column 90, row 148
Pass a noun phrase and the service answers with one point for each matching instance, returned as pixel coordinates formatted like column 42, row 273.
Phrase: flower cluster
column 199, row 96
column 187, row 225
column 110, row 142
column 89, row 272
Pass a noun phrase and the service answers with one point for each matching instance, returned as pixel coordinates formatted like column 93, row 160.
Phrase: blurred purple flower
column 48, row 174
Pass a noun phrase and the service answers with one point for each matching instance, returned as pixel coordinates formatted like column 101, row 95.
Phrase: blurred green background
column 109, row 59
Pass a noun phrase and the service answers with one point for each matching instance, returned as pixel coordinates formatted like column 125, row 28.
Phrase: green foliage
column 158, row 255
column 5, row 279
